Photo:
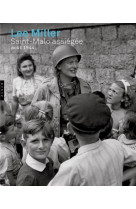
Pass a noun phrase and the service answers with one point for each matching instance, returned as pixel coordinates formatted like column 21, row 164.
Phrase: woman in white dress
column 25, row 84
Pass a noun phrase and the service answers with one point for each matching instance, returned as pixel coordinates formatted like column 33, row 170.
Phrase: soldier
column 59, row 89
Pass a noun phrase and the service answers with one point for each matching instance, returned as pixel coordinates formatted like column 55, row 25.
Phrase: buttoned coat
column 49, row 91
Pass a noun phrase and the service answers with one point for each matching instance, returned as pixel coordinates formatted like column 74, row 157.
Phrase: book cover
column 107, row 53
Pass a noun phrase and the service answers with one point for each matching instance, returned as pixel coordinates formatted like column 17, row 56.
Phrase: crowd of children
column 67, row 135
column 100, row 160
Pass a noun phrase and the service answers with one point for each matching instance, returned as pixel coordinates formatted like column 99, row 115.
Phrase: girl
column 118, row 102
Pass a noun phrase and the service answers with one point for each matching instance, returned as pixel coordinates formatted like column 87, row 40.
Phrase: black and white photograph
column 67, row 104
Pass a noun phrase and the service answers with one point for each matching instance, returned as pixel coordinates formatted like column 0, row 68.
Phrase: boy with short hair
column 38, row 169
column 97, row 163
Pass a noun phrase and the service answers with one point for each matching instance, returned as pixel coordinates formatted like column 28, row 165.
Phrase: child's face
column 115, row 94
column 38, row 146
column 11, row 134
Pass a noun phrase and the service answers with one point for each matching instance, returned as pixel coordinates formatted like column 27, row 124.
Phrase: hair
column 132, row 107
column 127, row 101
column 129, row 125
column 34, row 126
column 5, row 122
column 23, row 58
column 31, row 112
column 39, row 110
column 106, row 132
column 100, row 94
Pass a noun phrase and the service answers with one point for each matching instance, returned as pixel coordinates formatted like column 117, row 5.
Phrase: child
column 59, row 151
column 128, row 130
column 38, row 169
column 118, row 102
column 4, row 108
column 98, row 163
column 3, row 169
column 7, row 134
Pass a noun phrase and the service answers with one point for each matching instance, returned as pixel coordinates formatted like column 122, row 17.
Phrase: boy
column 98, row 163
column 7, row 134
column 38, row 169
column 59, row 151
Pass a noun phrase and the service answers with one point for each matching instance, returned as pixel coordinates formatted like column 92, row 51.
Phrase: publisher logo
column 1, row 89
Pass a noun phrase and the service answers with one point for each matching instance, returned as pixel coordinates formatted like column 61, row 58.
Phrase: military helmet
column 62, row 52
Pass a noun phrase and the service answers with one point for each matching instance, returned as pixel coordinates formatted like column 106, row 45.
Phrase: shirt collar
column 36, row 165
column 88, row 147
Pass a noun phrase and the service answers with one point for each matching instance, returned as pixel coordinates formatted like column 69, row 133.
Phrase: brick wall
column 108, row 52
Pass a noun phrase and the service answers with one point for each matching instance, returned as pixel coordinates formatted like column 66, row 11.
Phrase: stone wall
column 108, row 52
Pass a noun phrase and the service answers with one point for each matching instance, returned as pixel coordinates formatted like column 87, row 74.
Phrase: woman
column 64, row 85
column 24, row 87
column 25, row 84
column 118, row 102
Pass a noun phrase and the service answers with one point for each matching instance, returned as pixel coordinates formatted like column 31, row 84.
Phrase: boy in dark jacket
column 38, row 169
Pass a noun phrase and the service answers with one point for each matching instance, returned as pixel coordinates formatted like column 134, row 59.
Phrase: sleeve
column 129, row 174
column 59, row 152
column 67, row 175
column 129, row 156
column 10, row 161
column 26, row 180
column 14, row 88
column 63, row 150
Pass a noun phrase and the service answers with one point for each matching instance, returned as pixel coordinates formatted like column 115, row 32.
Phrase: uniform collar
column 88, row 147
column 36, row 165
